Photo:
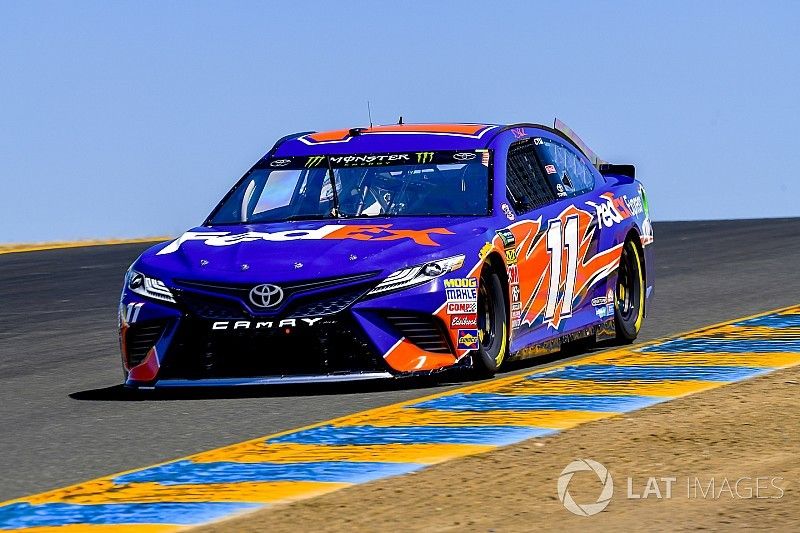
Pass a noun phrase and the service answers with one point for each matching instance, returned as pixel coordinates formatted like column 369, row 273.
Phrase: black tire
column 492, row 325
column 629, row 295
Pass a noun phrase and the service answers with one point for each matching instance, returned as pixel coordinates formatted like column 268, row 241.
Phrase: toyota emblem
column 266, row 295
column 464, row 156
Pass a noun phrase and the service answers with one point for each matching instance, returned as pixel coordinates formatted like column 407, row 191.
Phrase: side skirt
column 603, row 331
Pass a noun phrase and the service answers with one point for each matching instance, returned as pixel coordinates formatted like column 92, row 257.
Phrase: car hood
column 279, row 252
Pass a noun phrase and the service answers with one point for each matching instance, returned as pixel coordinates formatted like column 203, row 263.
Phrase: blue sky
column 133, row 118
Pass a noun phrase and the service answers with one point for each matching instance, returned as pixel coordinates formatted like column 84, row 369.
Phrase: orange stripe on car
column 406, row 357
column 460, row 129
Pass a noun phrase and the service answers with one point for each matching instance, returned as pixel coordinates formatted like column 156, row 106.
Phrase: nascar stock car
column 391, row 251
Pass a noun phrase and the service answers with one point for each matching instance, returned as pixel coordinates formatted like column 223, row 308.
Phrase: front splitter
column 267, row 380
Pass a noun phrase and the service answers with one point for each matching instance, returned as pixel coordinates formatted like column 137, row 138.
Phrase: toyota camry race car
column 391, row 251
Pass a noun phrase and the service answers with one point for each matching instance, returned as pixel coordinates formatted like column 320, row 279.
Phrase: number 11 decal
column 559, row 236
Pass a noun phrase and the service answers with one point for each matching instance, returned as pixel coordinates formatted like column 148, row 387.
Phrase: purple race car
column 391, row 251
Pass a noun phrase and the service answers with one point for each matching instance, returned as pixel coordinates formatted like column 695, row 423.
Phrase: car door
column 556, row 239
column 588, row 242
column 534, row 299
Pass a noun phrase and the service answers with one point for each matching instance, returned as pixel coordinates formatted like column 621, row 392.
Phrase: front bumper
column 205, row 340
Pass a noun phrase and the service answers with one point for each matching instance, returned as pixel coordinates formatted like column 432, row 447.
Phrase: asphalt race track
column 64, row 419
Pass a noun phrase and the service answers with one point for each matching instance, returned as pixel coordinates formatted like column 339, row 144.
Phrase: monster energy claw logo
column 424, row 157
column 314, row 161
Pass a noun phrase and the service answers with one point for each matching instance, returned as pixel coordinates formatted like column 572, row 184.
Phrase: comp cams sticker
column 462, row 302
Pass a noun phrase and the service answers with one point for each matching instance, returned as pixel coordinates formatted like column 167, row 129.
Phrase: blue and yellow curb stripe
column 411, row 435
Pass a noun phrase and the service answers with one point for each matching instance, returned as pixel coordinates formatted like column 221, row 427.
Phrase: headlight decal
column 150, row 287
column 418, row 274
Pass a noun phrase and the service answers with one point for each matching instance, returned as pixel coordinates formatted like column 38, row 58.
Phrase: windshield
column 363, row 185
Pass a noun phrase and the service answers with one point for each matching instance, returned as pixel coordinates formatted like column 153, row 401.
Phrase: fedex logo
column 359, row 232
column 612, row 210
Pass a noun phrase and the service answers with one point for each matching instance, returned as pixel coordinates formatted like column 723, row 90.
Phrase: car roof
column 392, row 138
column 412, row 137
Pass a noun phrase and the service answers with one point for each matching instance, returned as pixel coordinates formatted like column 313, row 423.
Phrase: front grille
column 140, row 338
column 425, row 331
column 327, row 347
column 301, row 299
column 327, row 306
column 209, row 307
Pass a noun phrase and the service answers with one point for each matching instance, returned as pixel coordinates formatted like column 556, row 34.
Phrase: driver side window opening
column 572, row 177
column 526, row 186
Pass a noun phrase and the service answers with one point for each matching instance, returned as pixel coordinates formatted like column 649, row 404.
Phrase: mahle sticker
column 461, row 295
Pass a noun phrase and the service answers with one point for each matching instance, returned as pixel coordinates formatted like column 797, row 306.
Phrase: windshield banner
column 374, row 160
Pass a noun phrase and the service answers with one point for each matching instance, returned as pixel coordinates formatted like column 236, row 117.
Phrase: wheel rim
column 627, row 287
column 486, row 325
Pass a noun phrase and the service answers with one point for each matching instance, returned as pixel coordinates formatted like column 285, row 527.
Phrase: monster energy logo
column 314, row 161
column 368, row 159
column 424, row 157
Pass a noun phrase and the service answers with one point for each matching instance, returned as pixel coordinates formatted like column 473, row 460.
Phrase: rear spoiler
column 605, row 168
column 572, row 136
